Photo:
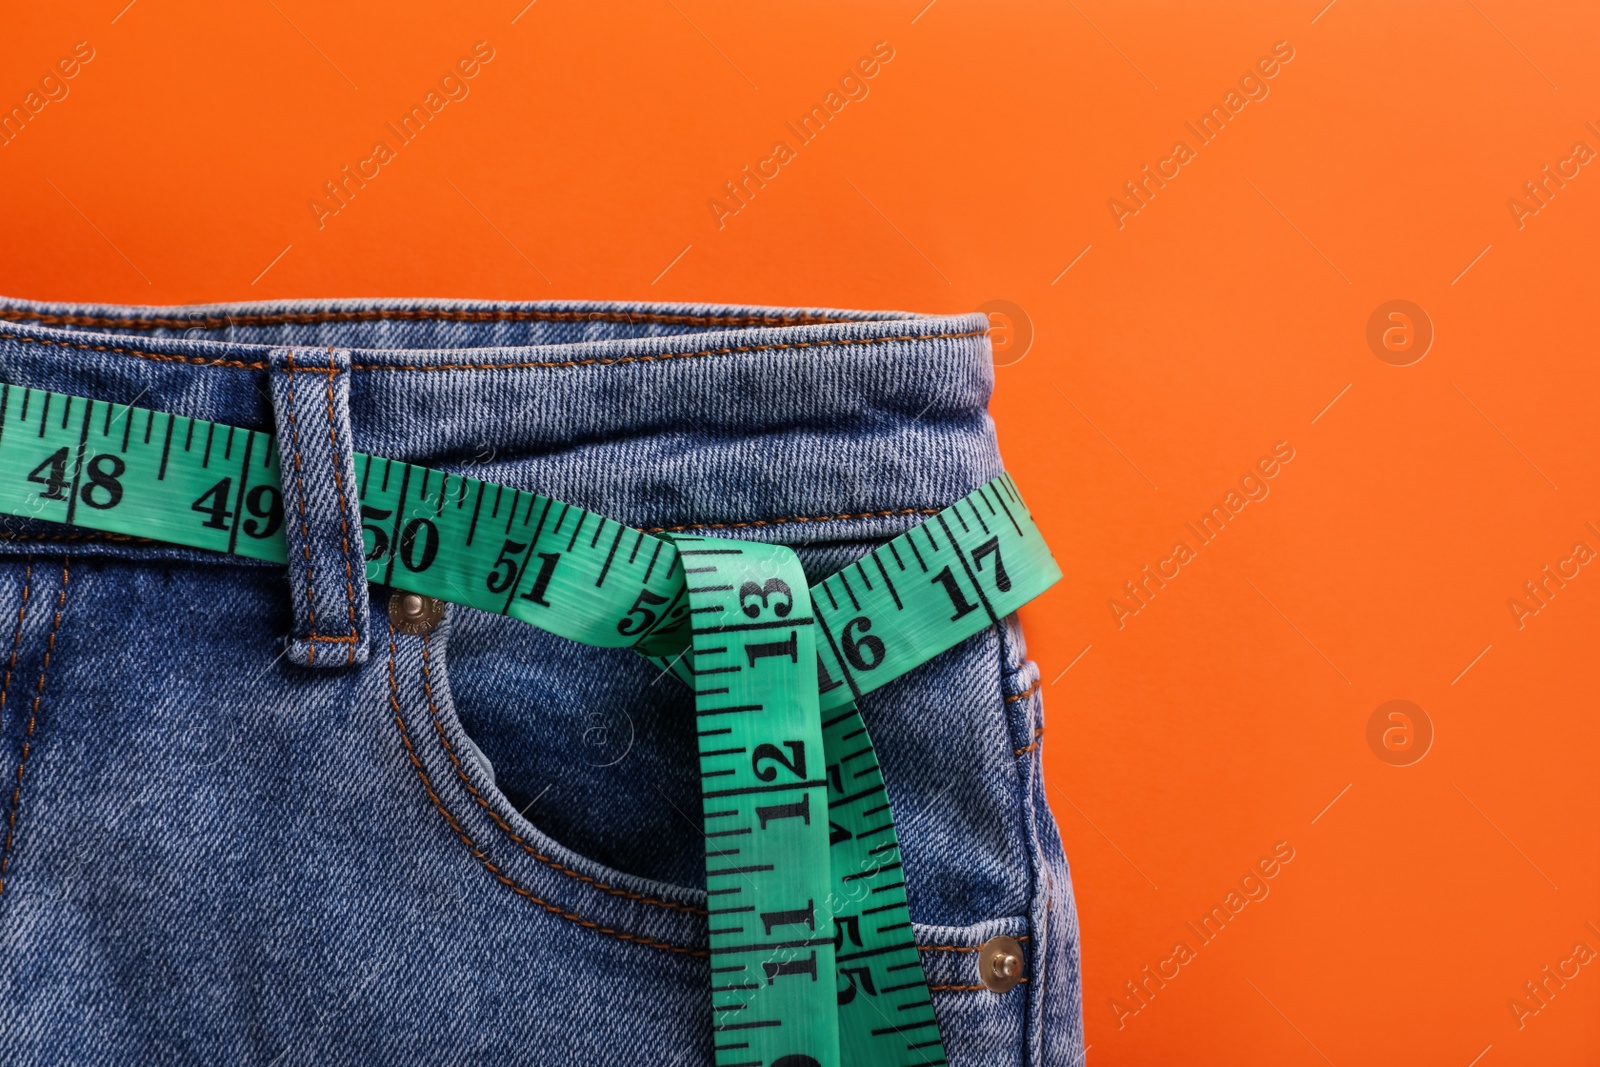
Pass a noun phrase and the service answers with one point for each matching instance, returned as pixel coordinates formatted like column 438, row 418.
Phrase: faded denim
column 228, row 840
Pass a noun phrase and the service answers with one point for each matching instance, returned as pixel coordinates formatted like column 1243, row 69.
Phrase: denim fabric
column 480, row 845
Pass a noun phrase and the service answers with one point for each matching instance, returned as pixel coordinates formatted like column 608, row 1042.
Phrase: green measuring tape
column 813, row 963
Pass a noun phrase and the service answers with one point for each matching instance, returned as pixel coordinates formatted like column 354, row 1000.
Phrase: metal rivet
column 413, row 613
column 1000, row 963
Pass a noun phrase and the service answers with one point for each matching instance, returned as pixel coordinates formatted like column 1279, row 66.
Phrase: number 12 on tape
column 773, row 987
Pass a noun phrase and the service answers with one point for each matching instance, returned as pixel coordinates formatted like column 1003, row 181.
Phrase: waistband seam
column 239, row 364
column 308, row 318
column 96, row 537
column 6, row 535
column 790, row 519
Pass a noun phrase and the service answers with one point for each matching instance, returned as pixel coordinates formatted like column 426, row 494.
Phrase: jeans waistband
column 764, row 423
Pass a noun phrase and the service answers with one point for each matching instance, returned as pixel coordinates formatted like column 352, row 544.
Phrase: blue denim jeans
column 249, row 822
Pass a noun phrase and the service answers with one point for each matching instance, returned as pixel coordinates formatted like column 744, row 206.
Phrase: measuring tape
column 813, row 963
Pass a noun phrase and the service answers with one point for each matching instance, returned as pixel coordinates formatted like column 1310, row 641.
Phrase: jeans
column 248, row 821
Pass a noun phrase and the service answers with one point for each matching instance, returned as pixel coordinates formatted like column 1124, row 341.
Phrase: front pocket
column 487, row 823
column 596, row 745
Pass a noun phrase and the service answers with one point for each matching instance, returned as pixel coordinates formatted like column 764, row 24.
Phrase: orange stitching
column 163, row 357
column 427, row 687
column 960, row 948
column 33, row 718
column 792, row 518
column 6, row 535
column 480, row 855
column 1029, row 748
column 670, row 355
column 422, row 314
column 1024, row 695
column 305, row 529
column 648, row 529
column 344, row 518
column 963, row 988
column 257, row 365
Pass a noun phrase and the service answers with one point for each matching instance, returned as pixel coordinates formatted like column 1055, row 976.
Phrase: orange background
column 1230, row 713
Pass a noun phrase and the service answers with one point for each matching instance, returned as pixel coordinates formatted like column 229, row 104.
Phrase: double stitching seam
column 961, row 948
column 546, row 364
column 4, row 536
column 481, row 856
column 790, row 519
column 33, row 716
column 344, row 516
column 730, row 350
column 305, row 528
column 7, row 535
column 433, row 707
column 965, row 988
column 212, row 322
column 163, row 357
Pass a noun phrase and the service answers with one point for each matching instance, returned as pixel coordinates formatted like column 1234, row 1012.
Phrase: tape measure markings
column 925, row 617
column 785, row 1009
column 543, row 562
column 879, row 967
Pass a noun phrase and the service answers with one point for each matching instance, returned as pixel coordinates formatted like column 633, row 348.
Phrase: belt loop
column 322, row 516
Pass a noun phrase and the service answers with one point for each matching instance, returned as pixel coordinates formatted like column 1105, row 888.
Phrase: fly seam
column 16, row 637
column 33, row 718
column 5, row 689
